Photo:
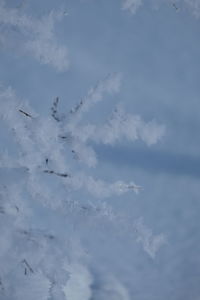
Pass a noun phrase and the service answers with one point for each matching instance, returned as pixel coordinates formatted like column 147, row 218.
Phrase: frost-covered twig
column 76, row 108
column 109, row 85
column 24, row 261
column 56, row 173
column 54, row 110
column 25, row 113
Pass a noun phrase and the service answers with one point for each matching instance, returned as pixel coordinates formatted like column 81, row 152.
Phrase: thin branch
column 174, row 5
column 48, row 171
column 77, row 107
column 56, row 173
column 25, row 113
column 28, row 266
column 17, row 208
column 135, row 188
column 68, row 137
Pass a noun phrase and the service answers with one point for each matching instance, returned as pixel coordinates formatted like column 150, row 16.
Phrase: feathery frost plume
column 37, row 36
column 151, row 244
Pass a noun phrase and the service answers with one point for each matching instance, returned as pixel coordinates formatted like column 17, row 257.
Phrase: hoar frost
column 39, row 175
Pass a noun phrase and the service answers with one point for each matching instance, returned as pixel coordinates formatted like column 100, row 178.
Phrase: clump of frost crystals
column 37, row 35
column 131, row 5
column 42, row 173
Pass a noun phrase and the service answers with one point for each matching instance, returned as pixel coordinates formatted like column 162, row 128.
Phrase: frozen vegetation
column 41, row 172
column 60, row 217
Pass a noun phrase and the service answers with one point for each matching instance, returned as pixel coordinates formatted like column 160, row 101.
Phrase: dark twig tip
column 25, row 113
